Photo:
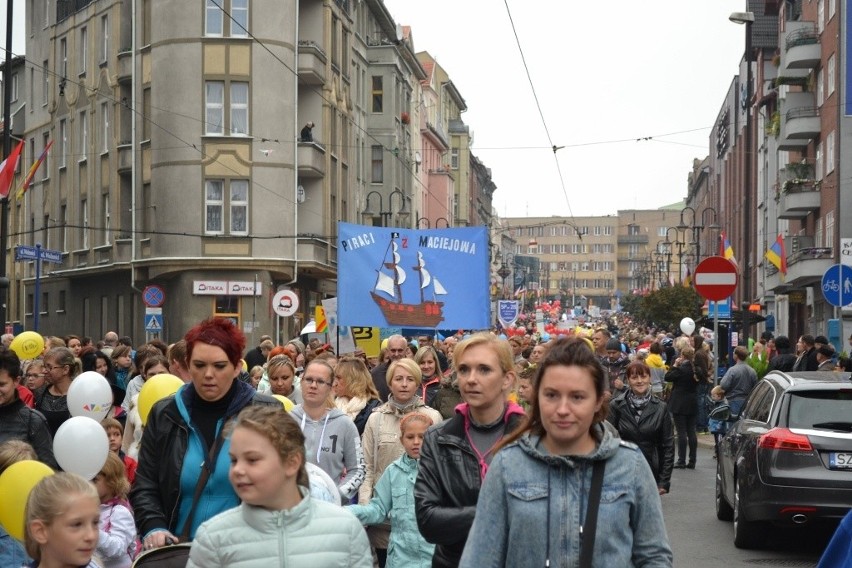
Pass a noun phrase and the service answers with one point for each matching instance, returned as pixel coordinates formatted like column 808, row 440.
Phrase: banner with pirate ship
column 396, row 277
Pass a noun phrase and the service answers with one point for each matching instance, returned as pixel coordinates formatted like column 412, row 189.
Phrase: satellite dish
column 399, row 32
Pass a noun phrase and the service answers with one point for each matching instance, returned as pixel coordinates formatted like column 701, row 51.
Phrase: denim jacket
column 531, row 496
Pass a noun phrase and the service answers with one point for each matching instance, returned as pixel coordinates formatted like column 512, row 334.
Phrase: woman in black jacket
column 642, row 418
column 683, row 404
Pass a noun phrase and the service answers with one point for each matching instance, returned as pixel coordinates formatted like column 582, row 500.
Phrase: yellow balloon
column 245, row 365
column 288, row 404
column 15, row 486
column 27, row 345
column 154, row 389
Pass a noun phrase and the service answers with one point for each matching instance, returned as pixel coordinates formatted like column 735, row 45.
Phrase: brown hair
column 414, row 417
column 359, row 382
column 115, row 476
column 568, row 352
column 13, row 451
column 64, row 356
column 637, row 367
column 277, row 426
column 110, row 423
column 49, row 499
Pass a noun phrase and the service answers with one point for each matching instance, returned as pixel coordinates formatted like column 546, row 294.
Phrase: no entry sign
column 715, row 278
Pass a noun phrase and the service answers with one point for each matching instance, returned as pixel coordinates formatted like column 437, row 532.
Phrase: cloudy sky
column 602, row 72
column 605, row 74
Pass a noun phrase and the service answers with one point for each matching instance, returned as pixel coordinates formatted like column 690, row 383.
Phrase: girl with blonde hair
column 357, row 396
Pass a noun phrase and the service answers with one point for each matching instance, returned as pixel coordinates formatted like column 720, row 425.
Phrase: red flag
column 7, row 170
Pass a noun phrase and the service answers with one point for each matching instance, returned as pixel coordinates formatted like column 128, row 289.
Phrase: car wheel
column 747, row 534
column 724, row 511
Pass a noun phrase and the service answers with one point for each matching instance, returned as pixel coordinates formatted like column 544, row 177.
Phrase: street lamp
column 387, row 216
column 746, row 18
column 679, row 242
column 695, row 227
column 428, row 223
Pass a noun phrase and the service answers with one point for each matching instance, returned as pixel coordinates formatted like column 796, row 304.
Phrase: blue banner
column 426, row 279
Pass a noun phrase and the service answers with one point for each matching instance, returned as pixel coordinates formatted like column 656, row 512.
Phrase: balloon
column 156, row 388
column 545, row 337
column 81, row 446
column 244, row 364
column 90, row 395
column 687, row 326
column 288, row 404
column 28, row 345
column 15, row 486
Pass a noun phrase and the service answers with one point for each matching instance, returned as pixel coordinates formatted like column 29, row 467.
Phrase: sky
column 602, row 72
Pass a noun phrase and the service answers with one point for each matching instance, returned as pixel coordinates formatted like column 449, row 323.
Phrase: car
column 787, row 460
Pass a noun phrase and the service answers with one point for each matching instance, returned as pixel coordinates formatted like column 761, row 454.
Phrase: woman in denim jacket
column 537, row 486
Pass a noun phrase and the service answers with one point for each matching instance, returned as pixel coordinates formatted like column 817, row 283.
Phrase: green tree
column 631, row 303
column 667, row 306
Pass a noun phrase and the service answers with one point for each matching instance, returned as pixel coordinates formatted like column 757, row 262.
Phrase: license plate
column 838, row 460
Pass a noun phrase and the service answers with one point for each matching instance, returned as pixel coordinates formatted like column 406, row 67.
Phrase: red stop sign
column 716, row 278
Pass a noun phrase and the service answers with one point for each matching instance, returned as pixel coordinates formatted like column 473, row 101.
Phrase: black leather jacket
column 652, row 433
column 20, row 422
column 155, row 495
column 447, row 487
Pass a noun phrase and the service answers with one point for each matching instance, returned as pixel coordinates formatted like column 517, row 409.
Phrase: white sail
column 400, row 273
column 385, row 284
column 424, row 274
column 439, row 288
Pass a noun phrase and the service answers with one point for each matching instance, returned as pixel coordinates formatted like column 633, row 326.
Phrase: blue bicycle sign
column 837, row 285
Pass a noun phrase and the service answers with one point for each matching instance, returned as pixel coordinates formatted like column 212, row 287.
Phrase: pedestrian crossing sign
column 154, row 322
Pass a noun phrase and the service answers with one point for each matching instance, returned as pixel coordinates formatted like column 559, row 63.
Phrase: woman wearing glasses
column 60, row 368
column 184, row 434
column 331, row 439
column 382, row 444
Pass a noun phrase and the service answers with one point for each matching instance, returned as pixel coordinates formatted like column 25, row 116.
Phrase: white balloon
column 81, row 446
column 90, row 395
column 687, row 325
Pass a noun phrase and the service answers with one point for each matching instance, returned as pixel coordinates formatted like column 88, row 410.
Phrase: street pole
column 7, row 148
column 747, row 201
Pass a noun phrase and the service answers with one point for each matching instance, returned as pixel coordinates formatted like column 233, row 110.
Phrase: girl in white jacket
column 277, row 518
column 117, row 543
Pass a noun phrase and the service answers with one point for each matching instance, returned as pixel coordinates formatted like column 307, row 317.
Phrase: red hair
column 221, row 333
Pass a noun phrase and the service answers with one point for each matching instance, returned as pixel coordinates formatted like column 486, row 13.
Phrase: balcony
column 125, row 67
column 798, row 200
column 312, row 63
column 799, row 116
column 311, row 157
column 801, row 46
column 806, row 266
column 633, row 239
column 125, row 158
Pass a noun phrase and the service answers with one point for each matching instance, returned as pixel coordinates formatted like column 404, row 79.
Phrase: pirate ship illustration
column 426, row 313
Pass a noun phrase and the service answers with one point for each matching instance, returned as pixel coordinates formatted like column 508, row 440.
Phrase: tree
column 631, row 303
column 667, row 306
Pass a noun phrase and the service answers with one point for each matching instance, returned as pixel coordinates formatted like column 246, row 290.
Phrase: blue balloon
column 502, row 336
column 545, row 337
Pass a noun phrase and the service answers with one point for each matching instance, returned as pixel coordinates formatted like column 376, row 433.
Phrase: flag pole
column 7, row 148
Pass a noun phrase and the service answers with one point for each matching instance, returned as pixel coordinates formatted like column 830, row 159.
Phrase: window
column 818, row 233
column 829, row 153
column 829, row 228
column 146, row 22
column 214, row 25
column 662, row 231
column 239, row 13
column 238, row 202
column 46, row 13
column 106, row 219
column 146, row 110
column 45, row 232
column 454, row 158
column 84, row 136
column 607, row 230
column 63, row 143
column 31, row 90
column 84, row 223
column 45, row 170
column 239, row 108
column 378, row 94
column 105, row 127
column 61, row 307
column 45, row 83
column 819, row 165
column 378, row 164
column 633, row 250
column 214, row 205
column 84, row 49
column 820, row 88
column 14, row 88
column 45, row 305
column 832, row 8
column 820, row 15
column 63, row 57
column 830, row 86
column 105, row 38
column 239, row 207
column 63, row 218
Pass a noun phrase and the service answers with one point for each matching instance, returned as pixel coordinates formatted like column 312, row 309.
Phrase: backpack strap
column 587, row 542
column 206, row 470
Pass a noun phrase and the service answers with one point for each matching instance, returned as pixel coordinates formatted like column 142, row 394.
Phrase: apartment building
column 179, row 161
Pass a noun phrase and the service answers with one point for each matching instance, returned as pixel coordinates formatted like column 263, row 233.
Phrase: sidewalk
column 706, row 441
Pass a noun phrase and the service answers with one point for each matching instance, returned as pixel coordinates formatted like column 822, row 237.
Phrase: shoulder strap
column 587, row 544
column 206, row 470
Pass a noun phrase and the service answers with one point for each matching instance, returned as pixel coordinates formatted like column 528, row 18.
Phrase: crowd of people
column 438, row 452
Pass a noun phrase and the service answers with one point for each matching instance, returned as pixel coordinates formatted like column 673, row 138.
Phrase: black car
column 788, row 459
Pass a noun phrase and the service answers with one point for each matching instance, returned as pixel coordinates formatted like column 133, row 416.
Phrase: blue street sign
column 154, row 322
column 837, row 285
column 28, row 253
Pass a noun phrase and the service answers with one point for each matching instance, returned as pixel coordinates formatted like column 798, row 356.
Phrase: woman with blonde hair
column 381, row 442
column 430, row 367
column 356, row 395
column 281, row 375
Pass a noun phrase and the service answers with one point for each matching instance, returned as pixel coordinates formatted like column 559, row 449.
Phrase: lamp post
column 387, row 216
column 746, row 18
column 7, row 149
column 428, row 223
column 679, row 242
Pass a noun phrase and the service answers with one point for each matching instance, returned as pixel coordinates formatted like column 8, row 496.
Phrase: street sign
column 24, row 252
column 715, row 278
column 154, row 323
column 837, row 285
column 285, row 303
column 153, row 296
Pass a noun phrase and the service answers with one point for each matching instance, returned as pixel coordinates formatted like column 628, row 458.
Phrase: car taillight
column 784, row 439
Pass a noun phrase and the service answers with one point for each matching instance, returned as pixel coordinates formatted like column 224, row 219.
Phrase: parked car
column 788, row 459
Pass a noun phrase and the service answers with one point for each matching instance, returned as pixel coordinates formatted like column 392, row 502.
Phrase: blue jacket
column 838, row 553
column 526, row 485
column 393, row 496
column 11, row 551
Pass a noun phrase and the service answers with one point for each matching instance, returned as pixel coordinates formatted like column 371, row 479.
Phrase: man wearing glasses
column 394, row 352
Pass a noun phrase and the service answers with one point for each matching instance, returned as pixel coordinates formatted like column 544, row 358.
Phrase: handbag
column 589, row 528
